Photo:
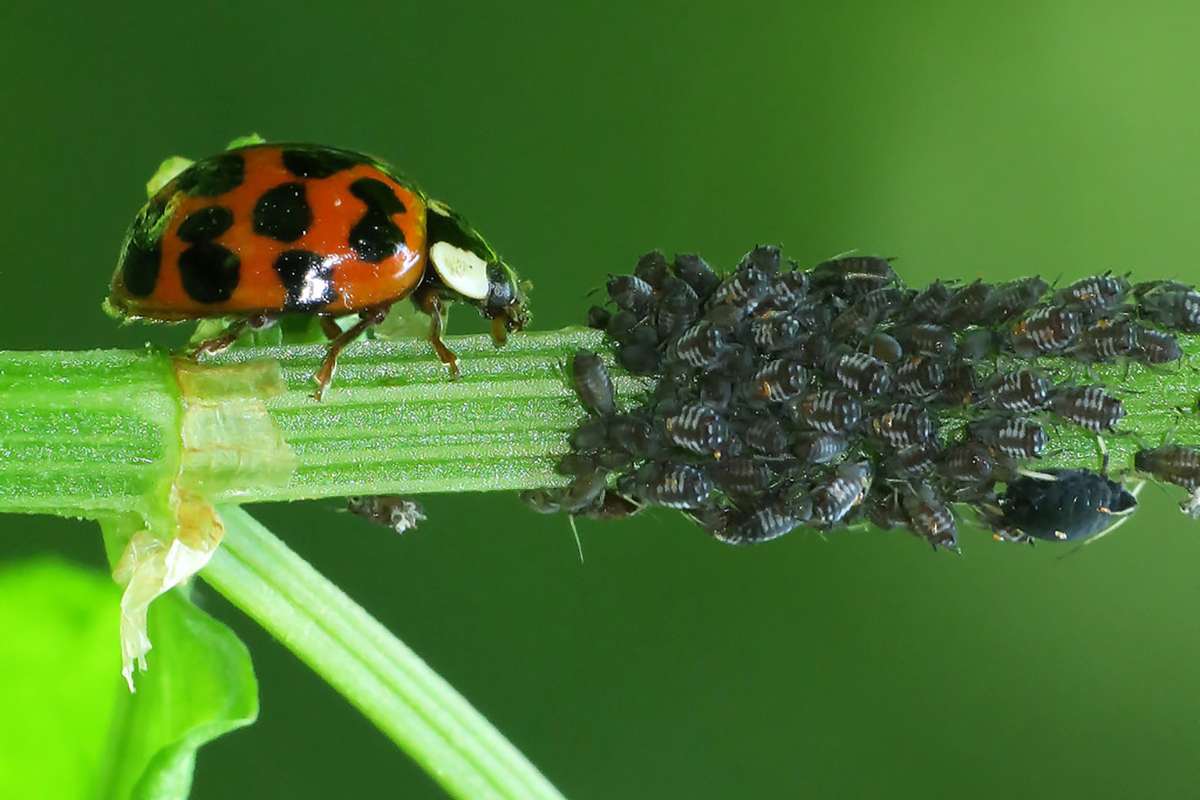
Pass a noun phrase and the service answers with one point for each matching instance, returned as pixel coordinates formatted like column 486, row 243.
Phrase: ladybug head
column 470, row 271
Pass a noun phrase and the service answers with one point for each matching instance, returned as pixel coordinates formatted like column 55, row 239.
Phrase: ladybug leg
column 222, row 340
column 330, row 327
column 431, row 304
column 367, row 319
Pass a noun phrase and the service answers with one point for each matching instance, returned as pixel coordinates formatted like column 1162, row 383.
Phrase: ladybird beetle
column 262, row 230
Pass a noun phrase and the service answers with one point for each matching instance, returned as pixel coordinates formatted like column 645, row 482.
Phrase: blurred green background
column 1056, row 137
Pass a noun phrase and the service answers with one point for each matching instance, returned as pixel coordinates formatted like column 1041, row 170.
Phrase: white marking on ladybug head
column 461, row 270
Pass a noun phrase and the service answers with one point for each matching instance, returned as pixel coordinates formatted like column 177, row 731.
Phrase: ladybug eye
column 461, row 270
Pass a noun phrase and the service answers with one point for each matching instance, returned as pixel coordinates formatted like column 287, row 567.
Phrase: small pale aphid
column 389, row 510
column 903, row 424
column 592, row 382
column 1023, row 390
column 698, row 428
column 829, row 410
column 1088, row 406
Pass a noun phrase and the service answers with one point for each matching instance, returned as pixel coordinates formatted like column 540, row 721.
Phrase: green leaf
column 73, row 730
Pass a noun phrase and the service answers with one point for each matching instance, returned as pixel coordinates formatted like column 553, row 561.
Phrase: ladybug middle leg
column 232, row 333
column 367, row 318
column 428, row 301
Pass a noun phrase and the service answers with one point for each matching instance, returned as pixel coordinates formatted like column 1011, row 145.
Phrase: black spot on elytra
column 142, row 255
column 319, row 162
column 283, row 213
column 209, row 271
column 213, row 176
column 375, row 237
column 307, row 279
column 206, row 224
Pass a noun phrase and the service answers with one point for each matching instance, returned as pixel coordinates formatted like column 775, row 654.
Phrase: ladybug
column 262, row 230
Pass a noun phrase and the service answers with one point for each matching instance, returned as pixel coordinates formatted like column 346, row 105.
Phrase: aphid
column 632, row 434
column 852, row 324
column 931, row 518
column 1094, row 294
column 903, row 424
column 962, row 383
column 612, row 505
column 812, row 351
column 882, row 302
column 673, row 485
column 834, row 497
column 695, row 272
column 1106, row 339
column 884, row 510
column 1074, row 504
column 744, row 289
column 929, row 304
column 585, row 490
column 767, row 437
column 1088, row 406
column 788, row 290
column 698, row 428
column 598, row 317
column 920, row 376
column 575, row 464
column 1046, row 330
column 885, row 348
column 742, row 475
column 1172, row 463
column 1023, row 390
column 1014, row 298
column 702, row 345
column 652, row 268
column 269, row 229
column 819, row 448
column 592, row 382
column 863, row 374
column 765, row 257
column 623, row 326
column 1172, row 305
column 630, row 293
column 640, row 359
column 969, row 462
column 716, row 390
column 677, row 309
column 543, row 501
column 777, row 332
column 969, row 304
column 389, row 510
column 767, row 522
column 914, row 461
column 1015, row 437
column 855, row 273
column 591, row 435
column 1155, row 347
column 978, row 344
column 779, row 380
column 829, row 411
column 932, row 340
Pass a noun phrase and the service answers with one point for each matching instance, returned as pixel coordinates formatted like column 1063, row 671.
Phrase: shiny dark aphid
column 1073, row 505
column 915, row 460
column 929, row 304
column 744, row 289
column 1023, row 390
column 829, row 411
column 969, row 304
column 885, row 347
column 766, row 257
column 863, row 273
column 976, row 344
column 584, row 491
column 776, row 332
column 1095, row 293
column 1088, row 406
column 653, row 269
column 1172, row 305
column 742, row 475
column 1014, row 298
column 702, row 345
column 673, row 485
column 678, row 308
column 389, row 510
column 788, row 290
column 1172, row 463
column 834, row 497
column 767, row 522
column 591, row 435
column 779, row 380
column 1046, row 330
column 593, row 385
column 630, row 293
column 1015, row 437
column 632, row 434
column 961, row 386
column 598, row 317
column 1155, row 347
column 640, row 359
column 623, row 326
column 1106, row 339
column 920, row 376
column 903, row 424
column 819, row 448
column 698, row 428
column 928, row 339
column 612, row 505
column 884, row 510
column 931, row 518
column 695, row 272
column 882, row 302
column 862, row 373
column 852, row 324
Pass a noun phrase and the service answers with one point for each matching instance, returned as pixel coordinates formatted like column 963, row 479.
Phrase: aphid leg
column 429, row 302
column 367, row 319
column 575, row 530
column 1102, row 449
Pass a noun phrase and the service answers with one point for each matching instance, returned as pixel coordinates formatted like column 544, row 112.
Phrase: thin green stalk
column 377, row 673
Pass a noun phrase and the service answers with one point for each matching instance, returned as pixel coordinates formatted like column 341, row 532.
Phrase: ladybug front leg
column 429, row 302
column 367, row 318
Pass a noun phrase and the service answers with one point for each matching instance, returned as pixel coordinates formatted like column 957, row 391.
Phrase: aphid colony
column 788, row 397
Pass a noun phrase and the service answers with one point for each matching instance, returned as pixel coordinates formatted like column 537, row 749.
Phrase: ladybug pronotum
column 263, row 230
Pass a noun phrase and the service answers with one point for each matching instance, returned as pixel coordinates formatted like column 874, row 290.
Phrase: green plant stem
column 377, row 673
